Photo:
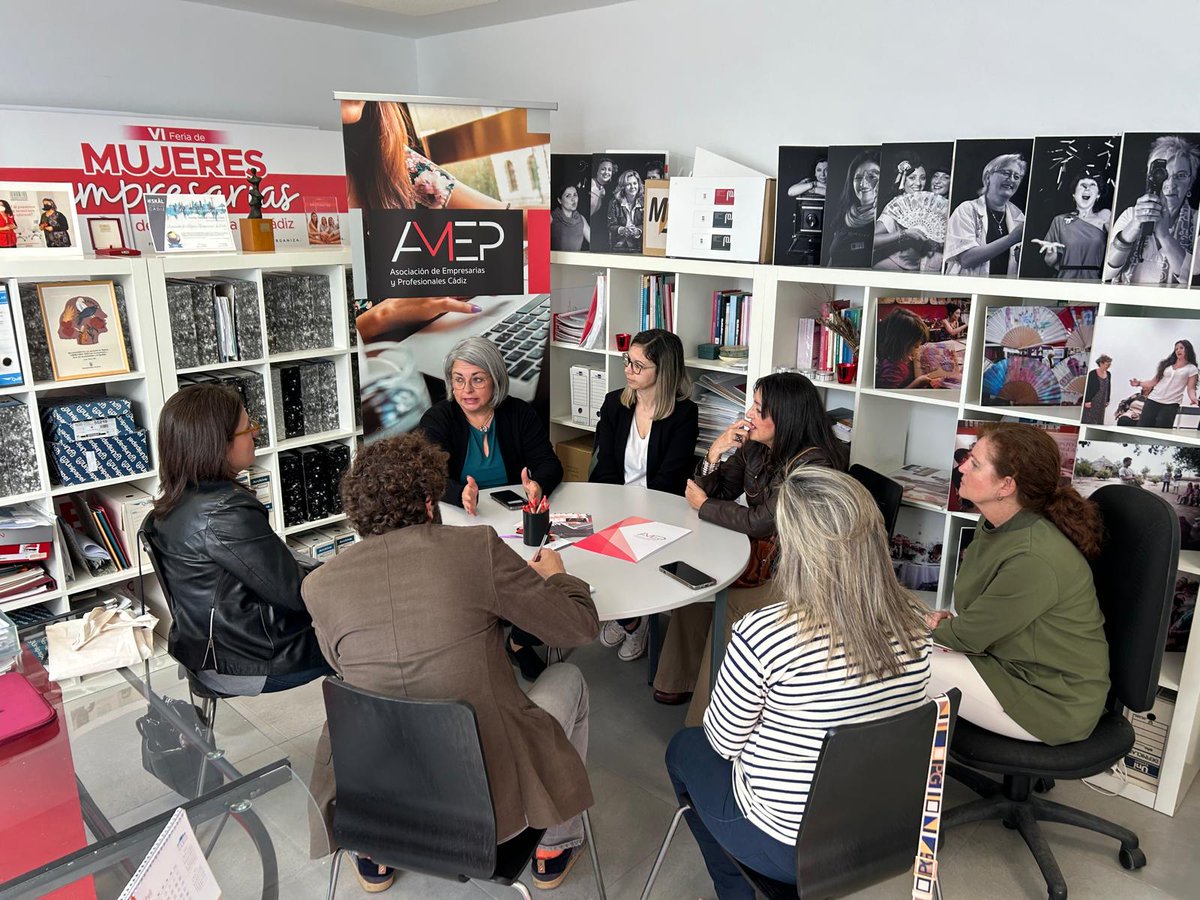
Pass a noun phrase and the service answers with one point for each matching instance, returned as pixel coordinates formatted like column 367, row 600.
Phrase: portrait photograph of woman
column 987, row 201
column 1071, row 183
column 616, row 200
column 910, row 217
column 571, row 177
column 1152, row 238
column 800, row 210
column 849, row 226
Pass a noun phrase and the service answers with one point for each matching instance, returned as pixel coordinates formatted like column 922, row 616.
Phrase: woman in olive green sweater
column 1027, row 645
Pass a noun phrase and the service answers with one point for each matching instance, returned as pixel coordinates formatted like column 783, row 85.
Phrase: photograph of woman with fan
column 983, row 234
column 1153, row 236
column 910, row 228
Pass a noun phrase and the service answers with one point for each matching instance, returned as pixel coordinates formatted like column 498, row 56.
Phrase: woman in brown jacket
column 415, row 611
column 785, row 427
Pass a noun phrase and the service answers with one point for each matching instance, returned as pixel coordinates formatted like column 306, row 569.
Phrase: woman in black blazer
column 646, row 436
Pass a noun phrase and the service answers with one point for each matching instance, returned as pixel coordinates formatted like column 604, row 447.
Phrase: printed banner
column 455, row 210
column 112, row 161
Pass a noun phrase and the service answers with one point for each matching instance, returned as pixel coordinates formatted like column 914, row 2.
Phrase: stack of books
column 658, row 294
column 722, row 401
column 730, row 318
column 819, row 348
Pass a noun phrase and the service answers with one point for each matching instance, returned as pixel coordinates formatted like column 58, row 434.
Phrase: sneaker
column 613, row 633
column 635, row 641
column 549, row 873
column 373, row 878
column 527, row 660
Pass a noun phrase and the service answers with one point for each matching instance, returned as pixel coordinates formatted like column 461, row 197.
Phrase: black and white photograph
column 1152, row 370
column 849, row 227
column 800, row 210
column 571, row 177
column 617, row 197
column 1072, row 181
column 1152, row 238
column 913, row 204
column 987, row 207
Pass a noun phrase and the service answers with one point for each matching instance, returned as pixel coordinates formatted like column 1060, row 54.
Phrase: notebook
column 175, row 867
column 24, row 707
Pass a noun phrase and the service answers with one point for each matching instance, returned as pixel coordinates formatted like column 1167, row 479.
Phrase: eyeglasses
column 253, row 428
column 478, row 382
column 637, row 366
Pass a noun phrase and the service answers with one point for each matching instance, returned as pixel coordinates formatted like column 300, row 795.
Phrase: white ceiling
column 409, row 18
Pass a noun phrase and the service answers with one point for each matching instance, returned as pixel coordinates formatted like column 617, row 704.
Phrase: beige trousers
column 686, row 658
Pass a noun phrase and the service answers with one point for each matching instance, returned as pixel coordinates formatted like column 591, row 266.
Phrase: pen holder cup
column 534, row 527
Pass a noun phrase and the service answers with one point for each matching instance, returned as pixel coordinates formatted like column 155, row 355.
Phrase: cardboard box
column 580, row 388
column 85, row 418
column 597, row 389
column 722, row 217
column 576, row 457
column 1144, row 761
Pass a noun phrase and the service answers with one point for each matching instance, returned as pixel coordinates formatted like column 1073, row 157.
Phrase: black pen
column 537, row 556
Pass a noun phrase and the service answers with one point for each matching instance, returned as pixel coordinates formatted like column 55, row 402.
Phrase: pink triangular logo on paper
column 610, row 541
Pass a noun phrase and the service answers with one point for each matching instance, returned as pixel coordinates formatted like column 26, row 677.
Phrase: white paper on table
column 175, row 867
column 648, row 537
column 713, row 165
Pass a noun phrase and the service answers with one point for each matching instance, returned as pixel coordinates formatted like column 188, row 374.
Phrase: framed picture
column 106, row 233
column 38, row 220
column 183, row 223
column 83, row 329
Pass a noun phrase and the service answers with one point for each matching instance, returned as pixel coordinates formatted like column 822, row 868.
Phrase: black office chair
column 412, row 791
column 864, row 811
column 1134, row 577
column 887, row 493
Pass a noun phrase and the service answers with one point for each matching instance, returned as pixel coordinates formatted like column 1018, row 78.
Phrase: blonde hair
column 835, row 573
column 671, row 383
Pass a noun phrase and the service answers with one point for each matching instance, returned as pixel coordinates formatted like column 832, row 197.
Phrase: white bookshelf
column 891, row 428
column 154, row 377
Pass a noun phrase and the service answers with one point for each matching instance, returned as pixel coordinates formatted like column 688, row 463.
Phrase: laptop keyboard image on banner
column 521, row 337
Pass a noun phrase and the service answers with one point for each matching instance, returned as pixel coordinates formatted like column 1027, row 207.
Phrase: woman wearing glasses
column 983, row 236
column 233, row 586
column 646, row 436
column 786, row 427
column 493, row 440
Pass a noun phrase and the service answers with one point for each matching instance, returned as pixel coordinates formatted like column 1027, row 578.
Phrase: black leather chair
column 412, row 791
column 1135, row 578
column 864, row 812
column 887, row 493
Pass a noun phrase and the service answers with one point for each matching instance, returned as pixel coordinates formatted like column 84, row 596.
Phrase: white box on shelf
column 597, row 388
column 1144, row 761
column 726, row 218
column 580, row 388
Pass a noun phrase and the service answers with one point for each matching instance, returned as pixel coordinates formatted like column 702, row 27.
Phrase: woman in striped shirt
column 843, row 643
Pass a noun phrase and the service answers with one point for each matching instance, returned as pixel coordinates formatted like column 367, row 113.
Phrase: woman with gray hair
column 1152, row 240
column 493, row 439
column 842, row 643
column 983, row 236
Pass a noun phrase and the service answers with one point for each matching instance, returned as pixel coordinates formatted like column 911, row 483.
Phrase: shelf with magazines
column 920, row 426
column 77, row 414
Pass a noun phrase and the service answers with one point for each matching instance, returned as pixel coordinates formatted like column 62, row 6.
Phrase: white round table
column 624, row 589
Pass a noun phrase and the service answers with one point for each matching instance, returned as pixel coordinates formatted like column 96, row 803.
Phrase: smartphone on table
column 689, row 575
column 508, row 499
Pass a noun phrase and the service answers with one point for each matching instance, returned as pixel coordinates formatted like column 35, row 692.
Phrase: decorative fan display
column 1017, row 327
column 924, row 210
column 1071, row 375
column 1020, row 381
column 1080, row 338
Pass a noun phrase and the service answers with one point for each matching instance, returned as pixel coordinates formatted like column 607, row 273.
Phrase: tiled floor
column 634, row 805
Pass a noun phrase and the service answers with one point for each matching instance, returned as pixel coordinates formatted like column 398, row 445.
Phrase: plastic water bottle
column 10, row 643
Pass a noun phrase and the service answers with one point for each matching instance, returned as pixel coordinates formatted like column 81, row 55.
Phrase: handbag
column 103, row 640
column 169, row 756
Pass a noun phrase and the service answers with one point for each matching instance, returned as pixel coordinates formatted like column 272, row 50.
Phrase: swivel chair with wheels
column 1134, row 577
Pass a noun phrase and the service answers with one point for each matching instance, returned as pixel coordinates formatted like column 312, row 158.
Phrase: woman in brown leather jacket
column 785, row 427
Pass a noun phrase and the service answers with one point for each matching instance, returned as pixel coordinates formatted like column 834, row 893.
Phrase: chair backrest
column 887, row 493
column 412, row 791
column 1135, row 583
column 863, row 817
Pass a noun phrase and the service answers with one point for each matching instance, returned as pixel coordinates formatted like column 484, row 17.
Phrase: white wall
column 741, row 77
column 188, row 59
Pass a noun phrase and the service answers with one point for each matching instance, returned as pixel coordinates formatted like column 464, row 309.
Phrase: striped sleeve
column 737, row 700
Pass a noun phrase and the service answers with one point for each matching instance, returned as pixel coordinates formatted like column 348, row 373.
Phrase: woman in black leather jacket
column 233, row 586
column 785, row 427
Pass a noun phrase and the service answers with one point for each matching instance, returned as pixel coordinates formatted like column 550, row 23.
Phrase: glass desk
column 79, row 811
